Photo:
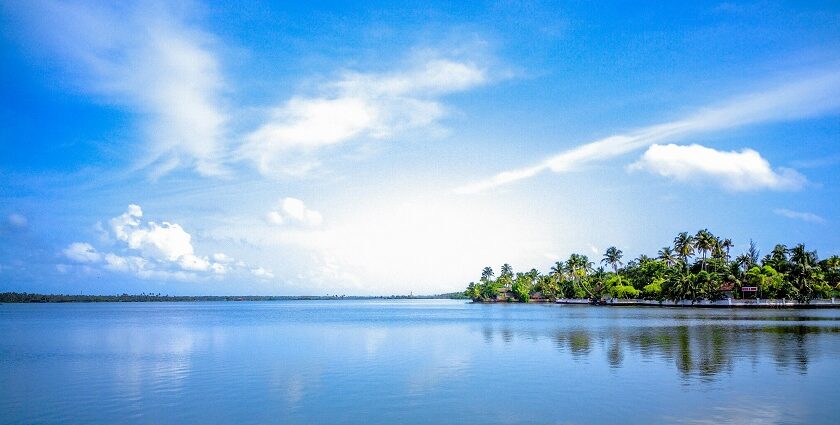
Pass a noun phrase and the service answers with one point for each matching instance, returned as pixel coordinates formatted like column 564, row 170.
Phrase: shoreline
column 28, row 298
column 721, row 304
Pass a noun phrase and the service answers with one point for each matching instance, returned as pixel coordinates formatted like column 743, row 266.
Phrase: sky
column 377, row 148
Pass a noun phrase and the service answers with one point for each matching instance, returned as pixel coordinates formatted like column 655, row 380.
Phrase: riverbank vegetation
column 695, row 267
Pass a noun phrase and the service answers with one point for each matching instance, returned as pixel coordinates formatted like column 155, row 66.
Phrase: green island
column 696, row 270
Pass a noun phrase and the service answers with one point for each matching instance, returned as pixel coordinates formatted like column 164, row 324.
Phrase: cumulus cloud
column 809, row 96
column 262, row 273
column 735, row 171
column 165, row 241
column 800, row 215
column 294, row 211
column 82, row 253
column 374, row 105
column 143, row 56
column 152, row 250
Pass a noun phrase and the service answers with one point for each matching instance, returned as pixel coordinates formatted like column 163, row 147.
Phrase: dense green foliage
column 696, row 267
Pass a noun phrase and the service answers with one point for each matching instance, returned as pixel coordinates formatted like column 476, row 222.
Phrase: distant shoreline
column 26, row 298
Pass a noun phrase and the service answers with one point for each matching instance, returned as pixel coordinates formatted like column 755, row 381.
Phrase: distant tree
column 578, row 266
column 612, row 257
column 805, row 274
column 726, row 244
column 704, row 242
column 684, row 246
column 667, row 255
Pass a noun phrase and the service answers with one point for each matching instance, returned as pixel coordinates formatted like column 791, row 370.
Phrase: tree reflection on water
column 698, row 351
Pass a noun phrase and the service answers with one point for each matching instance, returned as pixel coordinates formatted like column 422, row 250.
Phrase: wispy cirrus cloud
column 148, row 59
column 161, row 66
column 734, row 171
column 356, row 105
column 800, row 215
column 809, row 96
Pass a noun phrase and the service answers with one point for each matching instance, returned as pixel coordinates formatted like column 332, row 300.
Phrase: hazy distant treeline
column 23, row 297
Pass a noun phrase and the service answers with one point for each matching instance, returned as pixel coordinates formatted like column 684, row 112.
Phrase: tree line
column 695, row 267
column 24, row 297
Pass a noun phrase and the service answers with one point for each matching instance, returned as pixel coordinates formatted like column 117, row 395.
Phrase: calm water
column 391, row 362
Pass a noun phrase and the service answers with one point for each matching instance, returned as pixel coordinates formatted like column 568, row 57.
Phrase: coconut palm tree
column 667, row 255
column 704, row 241
column 506, row 276
column 578, row 266
column 727, row 244
column 557, row 269
column 684, row 245
column 745, row 261
column 803, row 269
column 487, row 274
column 778, row 258
column 613, row 258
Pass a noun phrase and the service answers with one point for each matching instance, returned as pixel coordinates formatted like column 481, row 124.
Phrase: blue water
column 439, row 361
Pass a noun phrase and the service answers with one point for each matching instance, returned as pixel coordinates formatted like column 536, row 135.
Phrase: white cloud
column 18, row 220
column 735, row 171
column 151, row 250
column 145, row 57
column 262, row 273
column 294, row 211
column 223, row 258
column 810, row 96
column 160, row 65
column 125, row 264
column 165, row 241
column 800, row 215
column 370, row 105
column 82, row 253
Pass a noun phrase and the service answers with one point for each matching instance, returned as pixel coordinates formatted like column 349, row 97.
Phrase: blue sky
column 380, row 148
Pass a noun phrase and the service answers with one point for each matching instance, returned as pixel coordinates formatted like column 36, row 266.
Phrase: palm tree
column 613, row 258
column 682, row 286
column 666, row 254
column 704, row 241
column 487, row 274
column 717, row 249
column 803, row 265
column 578, row 266
column 745, row 261
column 684, row 245
column 557, row 269
column 726, row 244
column 506, row 276
column 778, row 258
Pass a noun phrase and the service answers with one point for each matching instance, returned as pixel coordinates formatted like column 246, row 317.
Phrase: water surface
column 436, row 361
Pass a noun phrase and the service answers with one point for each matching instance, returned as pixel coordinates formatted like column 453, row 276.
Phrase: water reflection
column 301, row 362
column 701, row 351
